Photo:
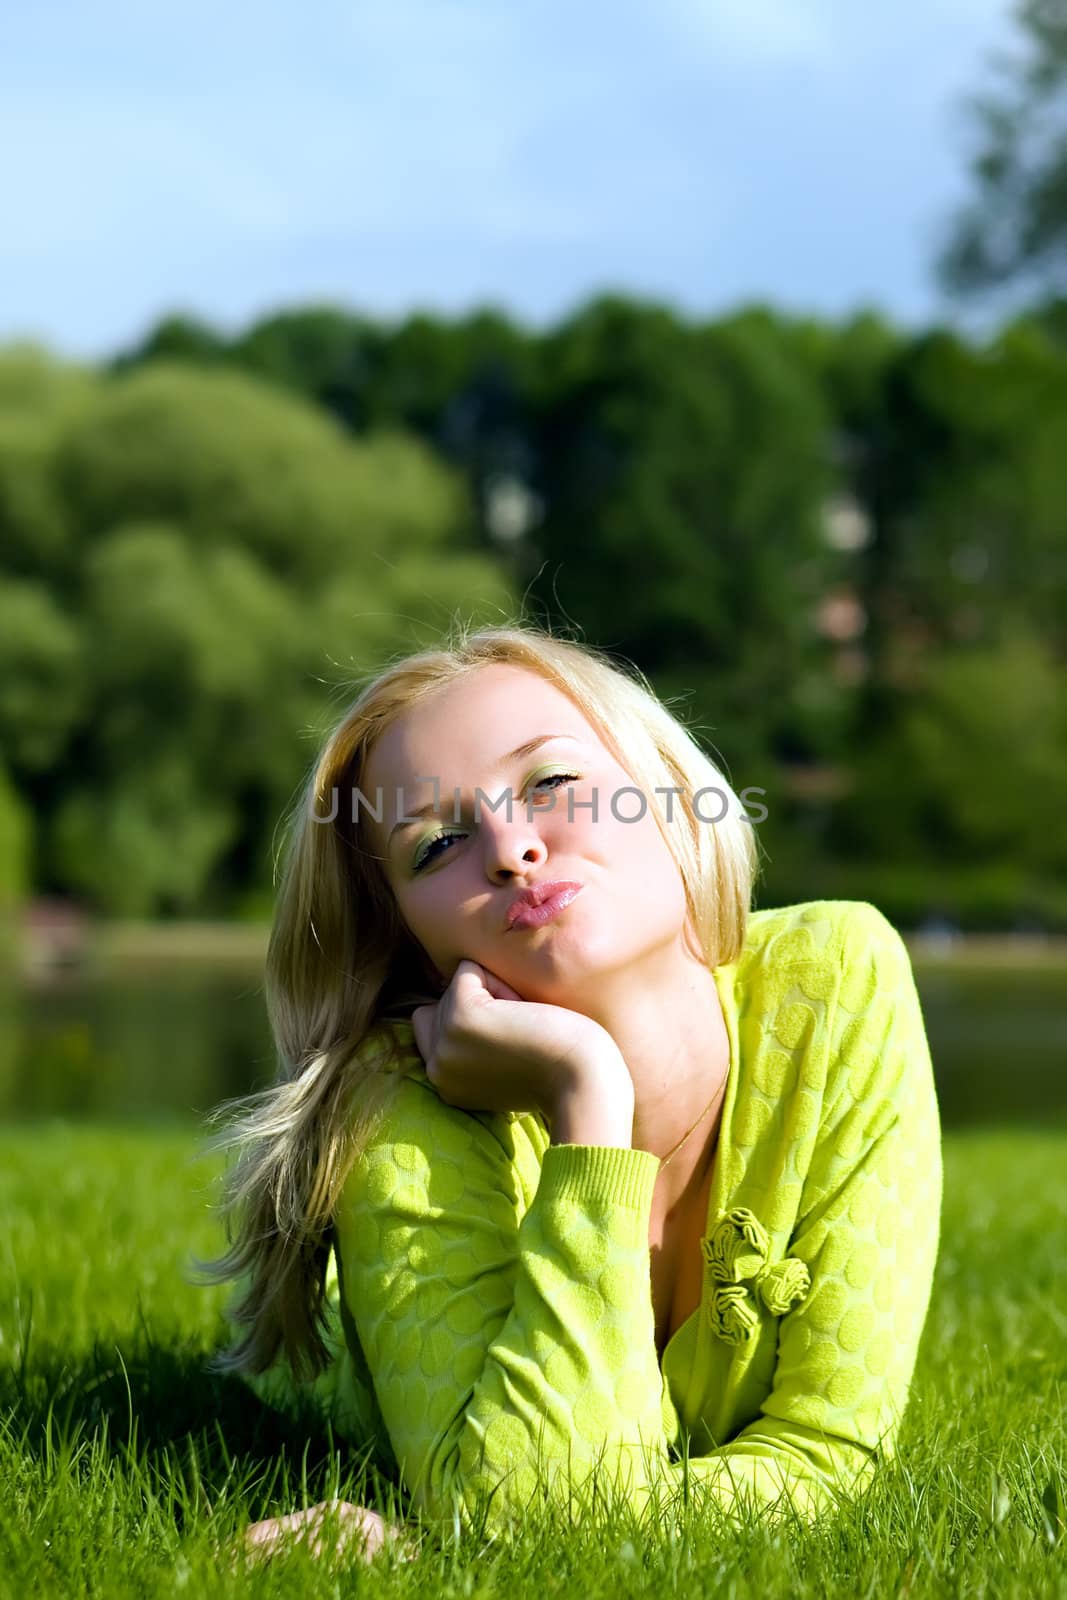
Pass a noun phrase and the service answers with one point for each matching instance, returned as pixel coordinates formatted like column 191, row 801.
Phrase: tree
column 969, row 785
column 42, row 676
column 326, row 354
column 683, row 475
column 1014, row 231
column 465, row 387
column 221, row 560
column 40, row 398
column 176, row 338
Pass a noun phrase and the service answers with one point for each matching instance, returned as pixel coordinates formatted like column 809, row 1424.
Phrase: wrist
column 597, row 1107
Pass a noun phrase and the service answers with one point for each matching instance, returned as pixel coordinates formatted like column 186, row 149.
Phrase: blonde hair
column 341, row 967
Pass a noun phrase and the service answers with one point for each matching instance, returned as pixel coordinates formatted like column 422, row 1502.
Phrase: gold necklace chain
column 672, row 1153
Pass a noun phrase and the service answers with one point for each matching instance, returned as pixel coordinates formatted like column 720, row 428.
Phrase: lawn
column 124, row 1468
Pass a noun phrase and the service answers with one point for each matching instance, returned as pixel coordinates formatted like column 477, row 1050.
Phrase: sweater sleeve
column 512, row 1350
column 504, row 1344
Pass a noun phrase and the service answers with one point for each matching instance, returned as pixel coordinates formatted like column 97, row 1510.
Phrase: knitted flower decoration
column 737, row 1252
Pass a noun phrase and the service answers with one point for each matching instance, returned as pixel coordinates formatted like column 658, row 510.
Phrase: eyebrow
column 513, row 755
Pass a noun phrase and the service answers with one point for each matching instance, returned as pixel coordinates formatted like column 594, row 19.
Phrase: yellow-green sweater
column 490, row 1292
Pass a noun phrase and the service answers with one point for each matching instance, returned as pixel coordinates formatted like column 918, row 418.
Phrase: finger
column 261, row 1533
column 368, row 1539
column 261, row 1541
column 470, row 981
column 475, row 981
column 423, row 1020
column 497, row 987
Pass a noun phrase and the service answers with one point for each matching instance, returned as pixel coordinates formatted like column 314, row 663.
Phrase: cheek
column 435, row 918
column 651, row 860
column 417, row 914
column 426, row 918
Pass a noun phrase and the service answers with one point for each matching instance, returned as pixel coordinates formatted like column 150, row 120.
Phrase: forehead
column 472, row 723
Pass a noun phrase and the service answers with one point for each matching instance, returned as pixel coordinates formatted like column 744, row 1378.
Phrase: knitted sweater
column 490, row 1291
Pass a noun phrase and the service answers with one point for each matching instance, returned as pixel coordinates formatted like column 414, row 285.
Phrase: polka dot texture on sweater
column 848, row 1077
column 497, row 1287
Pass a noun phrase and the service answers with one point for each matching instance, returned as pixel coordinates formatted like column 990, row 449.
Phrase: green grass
column 123, row 1466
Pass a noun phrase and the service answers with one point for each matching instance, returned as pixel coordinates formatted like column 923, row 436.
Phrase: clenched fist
column 487, row 1049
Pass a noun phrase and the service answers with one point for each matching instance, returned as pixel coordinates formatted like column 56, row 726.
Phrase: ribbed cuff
column 615, row 1173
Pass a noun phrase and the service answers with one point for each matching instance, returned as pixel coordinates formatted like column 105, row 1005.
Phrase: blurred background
column 732, row 335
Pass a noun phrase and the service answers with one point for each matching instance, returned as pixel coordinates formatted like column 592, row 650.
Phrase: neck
column 668, row 1024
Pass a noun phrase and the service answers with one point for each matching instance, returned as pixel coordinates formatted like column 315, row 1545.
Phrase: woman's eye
column 430, row 851
column 557, row 777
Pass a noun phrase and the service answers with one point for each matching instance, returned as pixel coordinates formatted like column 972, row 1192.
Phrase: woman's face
column 454, row 880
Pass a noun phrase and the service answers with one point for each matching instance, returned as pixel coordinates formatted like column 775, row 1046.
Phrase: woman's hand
column 366, row 1527
column 487, row 1049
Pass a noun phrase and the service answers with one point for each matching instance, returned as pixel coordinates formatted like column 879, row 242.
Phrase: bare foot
column 367, row 1528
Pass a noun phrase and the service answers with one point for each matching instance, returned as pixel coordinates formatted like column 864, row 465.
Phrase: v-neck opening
column 726, row 988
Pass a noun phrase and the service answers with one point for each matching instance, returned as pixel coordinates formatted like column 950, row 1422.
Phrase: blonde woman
column 578, row 1170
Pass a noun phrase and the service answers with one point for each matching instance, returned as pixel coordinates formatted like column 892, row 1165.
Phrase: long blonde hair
column 341, row 966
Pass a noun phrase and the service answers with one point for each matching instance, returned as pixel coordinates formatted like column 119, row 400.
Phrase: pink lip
column 533, row 907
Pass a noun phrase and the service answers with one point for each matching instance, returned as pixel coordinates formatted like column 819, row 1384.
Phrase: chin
column 552, row 983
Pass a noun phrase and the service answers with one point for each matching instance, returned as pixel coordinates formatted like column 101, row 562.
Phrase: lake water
column 174, row 1046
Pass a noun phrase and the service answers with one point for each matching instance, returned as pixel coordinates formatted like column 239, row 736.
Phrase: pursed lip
column 536, row 895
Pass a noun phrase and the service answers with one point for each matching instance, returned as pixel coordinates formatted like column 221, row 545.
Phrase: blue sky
column 225, row 160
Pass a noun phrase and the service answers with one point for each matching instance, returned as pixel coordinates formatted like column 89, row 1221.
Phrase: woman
column 578, row 1171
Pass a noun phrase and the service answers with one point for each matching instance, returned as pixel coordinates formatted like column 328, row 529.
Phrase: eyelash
column 430, row 854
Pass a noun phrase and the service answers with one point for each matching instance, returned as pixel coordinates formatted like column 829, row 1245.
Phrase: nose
column 512, row 847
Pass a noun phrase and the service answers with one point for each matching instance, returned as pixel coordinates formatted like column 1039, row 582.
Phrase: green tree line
column 193, row 563
column 837, row 550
